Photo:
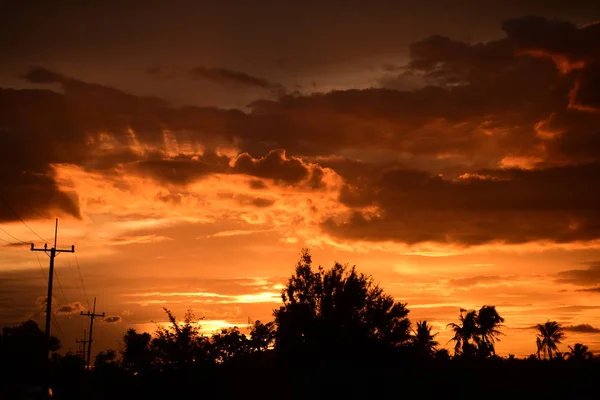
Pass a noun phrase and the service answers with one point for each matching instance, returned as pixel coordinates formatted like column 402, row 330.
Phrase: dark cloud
column 175, row 171
column 32, row 195
column 69, row 309
column 91, row 126
column 59, row 308
column 115, row 319
column 226, row 76
column 482, row 279
column 576, row 308
column 553, row 36
column 260, row 202
column 586, row 93
column 64, row 123
column 582, row 328
column 515, row 117
column 583, row 277
column 512, row 206
column 28, row 118
column 403, row 81
column 44, row 75
column 15, row 244
column 256, row 184
column 592, row 290
column 275, row 165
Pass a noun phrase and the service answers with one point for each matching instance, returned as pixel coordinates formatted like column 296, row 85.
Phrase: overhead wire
column 41, row 268
column 56, row 324
column 21, row 219
column 6, row 241
column 60, row 286
column 12, row 236
column 33, row 210
column 79, row 286
column 53, row 319
column 82, row 284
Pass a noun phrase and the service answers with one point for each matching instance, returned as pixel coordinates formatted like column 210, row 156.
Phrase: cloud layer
column 499, row 144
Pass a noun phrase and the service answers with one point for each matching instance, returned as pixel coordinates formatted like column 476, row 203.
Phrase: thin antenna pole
column 55, row 232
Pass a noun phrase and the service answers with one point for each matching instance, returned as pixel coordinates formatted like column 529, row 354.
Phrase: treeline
column 337, row 333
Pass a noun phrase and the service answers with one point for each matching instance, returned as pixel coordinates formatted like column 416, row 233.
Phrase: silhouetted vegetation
column 549, row 336
column 336, row 334
column 477, row 332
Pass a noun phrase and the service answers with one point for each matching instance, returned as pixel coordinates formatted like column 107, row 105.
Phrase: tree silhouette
column 477, row 332
column 488, row 322
column 549, row 336
column 137, row 354
column 24, row 356
column 70, row 376
column 228, row 344
column 423, row 341
column 105, row 358
column 579, row 352
column 442, row 355
column 179, row 343
column 540, row 347
column 327, row 311
column 465, row 333
column 262, row 336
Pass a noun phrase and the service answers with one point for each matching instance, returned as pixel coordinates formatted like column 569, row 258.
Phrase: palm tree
column 550, row 334
column 465, row 332
column 540, row 347
column 488, row 321
column 423, row 340
column 579, row 352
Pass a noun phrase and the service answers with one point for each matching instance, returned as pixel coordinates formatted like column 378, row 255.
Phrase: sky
column 450, row 149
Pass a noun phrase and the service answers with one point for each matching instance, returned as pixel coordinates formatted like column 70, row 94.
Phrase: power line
column 82, row 285
column 60, row 286
column 6, row 241
column 56, row 325
column 41, row 268
column 12, row 236
column 21, row 219
column 79, row 288
column 34, row 210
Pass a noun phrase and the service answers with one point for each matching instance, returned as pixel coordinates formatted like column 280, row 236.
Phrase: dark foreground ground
column 451, row 380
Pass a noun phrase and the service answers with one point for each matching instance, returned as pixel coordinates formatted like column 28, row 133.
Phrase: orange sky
column 190, row 167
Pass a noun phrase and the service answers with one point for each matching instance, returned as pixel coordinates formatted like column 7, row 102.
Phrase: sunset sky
column 191, row 150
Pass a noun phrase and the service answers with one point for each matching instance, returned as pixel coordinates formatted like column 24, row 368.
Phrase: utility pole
column 92, row 315
column 52, row 254
column 83, row 343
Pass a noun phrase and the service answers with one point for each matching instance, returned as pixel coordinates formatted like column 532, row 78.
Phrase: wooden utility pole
column 83, row 343
column 92, row 315
column 52, row 254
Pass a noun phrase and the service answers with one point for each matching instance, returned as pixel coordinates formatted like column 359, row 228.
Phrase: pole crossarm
column 91, row 316
column 45, row 249
column 83, row 343
column 52, row 252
